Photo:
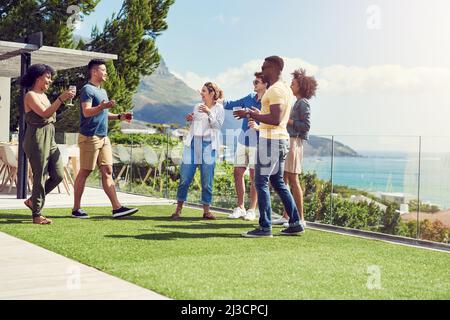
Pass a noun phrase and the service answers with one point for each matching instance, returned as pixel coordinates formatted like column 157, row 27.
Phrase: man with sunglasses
column 245, row 156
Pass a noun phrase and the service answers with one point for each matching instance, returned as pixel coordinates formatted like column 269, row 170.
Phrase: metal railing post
column 418, row 188
column 332, row 172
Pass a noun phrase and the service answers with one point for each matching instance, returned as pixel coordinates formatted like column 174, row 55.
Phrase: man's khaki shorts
column 294, row 157
column 94, row 151
column 245, row 157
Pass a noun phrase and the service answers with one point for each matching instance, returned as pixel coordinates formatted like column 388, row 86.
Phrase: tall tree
column 21, row 18
column 131, row 34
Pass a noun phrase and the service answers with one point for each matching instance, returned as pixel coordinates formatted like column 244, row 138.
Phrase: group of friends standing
column 270, row 144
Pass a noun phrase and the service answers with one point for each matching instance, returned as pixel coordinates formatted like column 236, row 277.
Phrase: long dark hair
column 35, row 71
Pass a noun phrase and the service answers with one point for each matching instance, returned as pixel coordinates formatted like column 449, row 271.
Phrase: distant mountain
column 163, row 98
column 163, row 88
column 321, row 147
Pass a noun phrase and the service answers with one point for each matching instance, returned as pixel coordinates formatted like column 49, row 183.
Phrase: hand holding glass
column 129, row 116
column 74, row 90
column 239, row 112
column 190, row 117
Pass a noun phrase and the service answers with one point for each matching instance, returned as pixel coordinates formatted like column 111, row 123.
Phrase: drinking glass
column 70, row 102
column 236, row 109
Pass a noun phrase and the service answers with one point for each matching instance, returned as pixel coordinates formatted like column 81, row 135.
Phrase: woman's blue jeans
column 199, row 154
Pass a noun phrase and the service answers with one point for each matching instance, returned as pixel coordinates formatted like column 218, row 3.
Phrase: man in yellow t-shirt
column 273, row 146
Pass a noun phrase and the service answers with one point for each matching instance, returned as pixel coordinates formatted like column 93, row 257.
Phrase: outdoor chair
column 9, row 159
column 152, row 159
column 4, row 168
column 125, row 160
column 67, row 181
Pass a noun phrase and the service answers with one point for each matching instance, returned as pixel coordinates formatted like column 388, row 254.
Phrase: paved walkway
column 29, row 272
column 92, row 197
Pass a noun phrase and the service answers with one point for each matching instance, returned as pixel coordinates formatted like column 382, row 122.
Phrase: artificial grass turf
column 197, row 259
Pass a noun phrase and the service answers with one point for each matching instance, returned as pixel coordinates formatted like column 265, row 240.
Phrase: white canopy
column 57, row 58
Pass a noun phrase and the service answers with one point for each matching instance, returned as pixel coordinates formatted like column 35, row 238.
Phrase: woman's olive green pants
column 45, row 160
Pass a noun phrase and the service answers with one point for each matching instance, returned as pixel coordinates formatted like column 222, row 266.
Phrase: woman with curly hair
column 304, row 88
column 201, row 147
column 39, row 142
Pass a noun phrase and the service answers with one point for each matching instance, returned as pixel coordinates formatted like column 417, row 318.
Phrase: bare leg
column 206, row 213
column 239, row 185
column 297, row 192
column 109, row 186
column 80, row 183
column 177, row 214
column 253, row 194
column 179, row 207
column 286, row 182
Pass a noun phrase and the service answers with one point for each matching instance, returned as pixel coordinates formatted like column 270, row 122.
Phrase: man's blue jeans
column 200, row 154
column 270, row 167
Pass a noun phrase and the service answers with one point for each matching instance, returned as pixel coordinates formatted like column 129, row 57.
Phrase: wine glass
column 74, row 89
column 236, row 109
column 129, row 116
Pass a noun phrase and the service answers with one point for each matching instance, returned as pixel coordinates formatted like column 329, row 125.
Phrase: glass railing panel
column 433, row 211
column 375, row 182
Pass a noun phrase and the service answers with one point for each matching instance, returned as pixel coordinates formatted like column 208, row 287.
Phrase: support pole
column 22, row 174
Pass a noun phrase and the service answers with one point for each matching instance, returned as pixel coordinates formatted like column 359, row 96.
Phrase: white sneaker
column 286, row 224
column 251, row 215
column 279, row 221
column 275, row 216
column 237, row 213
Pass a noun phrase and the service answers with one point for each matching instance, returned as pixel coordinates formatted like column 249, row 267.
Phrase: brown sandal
column 208, row 216
column 176, row 216
column 42, row 220
column 28, row 203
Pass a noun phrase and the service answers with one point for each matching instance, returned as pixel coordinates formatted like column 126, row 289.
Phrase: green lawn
column 197, row 259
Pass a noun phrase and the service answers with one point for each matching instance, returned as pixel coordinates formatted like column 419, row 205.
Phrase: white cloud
column 192, row 79
column 226, row 20
column 235, row 20
column 238, row 81
column 383, row 78
column 376, row 100
column 336, row 79
column 220, row 18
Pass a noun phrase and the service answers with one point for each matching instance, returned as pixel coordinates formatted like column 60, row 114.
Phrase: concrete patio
column 32, row 273
column 29, row 272
column 92, row 197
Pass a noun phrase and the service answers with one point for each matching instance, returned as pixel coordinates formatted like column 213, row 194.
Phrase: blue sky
column 384, row 63
column 324, row 32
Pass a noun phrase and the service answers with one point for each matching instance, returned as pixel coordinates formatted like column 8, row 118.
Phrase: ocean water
column 387, row 171
column 390, row 172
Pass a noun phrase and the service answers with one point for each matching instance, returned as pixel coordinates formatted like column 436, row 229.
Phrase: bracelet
column 60, row 100
column 119, row 116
